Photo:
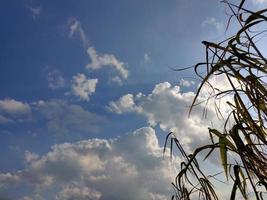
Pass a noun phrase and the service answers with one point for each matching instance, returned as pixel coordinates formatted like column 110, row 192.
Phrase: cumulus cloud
column 98, row 60
column 55, row 80
column 29, row 156
column 124, row 104
column 129, row 167
column 167, row 106
column 83, row 87
column 62, row 117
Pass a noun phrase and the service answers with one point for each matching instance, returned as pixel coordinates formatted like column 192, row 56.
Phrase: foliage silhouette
column 241, row 62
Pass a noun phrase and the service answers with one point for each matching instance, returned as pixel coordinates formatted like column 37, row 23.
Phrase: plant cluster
column 244, row 136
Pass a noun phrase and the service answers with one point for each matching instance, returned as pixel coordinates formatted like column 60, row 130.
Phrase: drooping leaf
column 223, row 154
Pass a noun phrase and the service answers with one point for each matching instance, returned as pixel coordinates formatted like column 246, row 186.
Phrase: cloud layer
column 56, row 117
column 62, row 118
column 129, row 167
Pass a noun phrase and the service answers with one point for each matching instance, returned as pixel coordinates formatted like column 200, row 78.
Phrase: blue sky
column 87, row 88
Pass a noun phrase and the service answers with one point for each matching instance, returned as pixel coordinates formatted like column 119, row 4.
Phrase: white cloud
column 186, row 83
column 14, row 111
column 167, row 106
column 14, row 107
column 101, row 169
column 55, row 80
column 75, row 27
column 124, row 104
column 117, row 79
column 29, row 156
column 100, row 60
column 83, row 87
column 147, row 58
column 79, row 193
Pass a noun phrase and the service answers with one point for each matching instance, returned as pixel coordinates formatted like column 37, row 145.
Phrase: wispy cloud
column 147, row 58
column 76, row 28
column 55, row 80
column 212, row 22
column 98, row 60
column 34, row 10
column 83, row 87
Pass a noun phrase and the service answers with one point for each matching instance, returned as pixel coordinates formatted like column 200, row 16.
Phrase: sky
column 88, row 94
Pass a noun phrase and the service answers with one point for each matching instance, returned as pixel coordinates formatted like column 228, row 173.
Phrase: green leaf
column 223, row 152
column 228, row 143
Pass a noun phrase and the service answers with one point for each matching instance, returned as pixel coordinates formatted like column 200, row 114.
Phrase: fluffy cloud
column 167, row 106
column 55, row 80
column 83, row 87
column 64, row 118
column 124, row 104
column 130, row 167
